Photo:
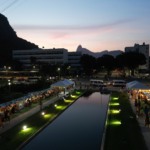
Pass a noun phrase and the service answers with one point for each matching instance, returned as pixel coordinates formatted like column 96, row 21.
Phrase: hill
column 10, row 41
column 98, row 54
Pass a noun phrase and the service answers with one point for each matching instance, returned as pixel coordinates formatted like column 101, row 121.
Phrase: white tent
column 69, row 81
column 64, row 84
column 60, row 84
column 130, row 84
column 136, row 85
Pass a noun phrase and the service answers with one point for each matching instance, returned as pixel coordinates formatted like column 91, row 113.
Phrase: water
column 80, row 127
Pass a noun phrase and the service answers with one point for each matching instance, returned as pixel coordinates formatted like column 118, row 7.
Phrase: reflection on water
column 80, row 127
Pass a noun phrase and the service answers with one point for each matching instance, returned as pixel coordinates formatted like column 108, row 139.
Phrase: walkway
column 14, row 121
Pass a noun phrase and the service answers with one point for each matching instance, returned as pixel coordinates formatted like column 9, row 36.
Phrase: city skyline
column 96, row 25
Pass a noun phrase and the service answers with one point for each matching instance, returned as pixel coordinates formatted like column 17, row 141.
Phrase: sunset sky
column 95, row 24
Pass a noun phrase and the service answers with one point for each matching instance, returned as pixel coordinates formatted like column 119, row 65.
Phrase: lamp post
column 7, row 69
column 9, row 84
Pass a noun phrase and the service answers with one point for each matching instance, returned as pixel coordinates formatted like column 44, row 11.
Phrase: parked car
column 120, row 83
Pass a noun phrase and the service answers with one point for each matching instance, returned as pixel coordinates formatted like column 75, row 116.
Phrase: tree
column 17, row 65
column 107, row 62
column 120, row 62
column 133, row 60
column 47, row 69
column 88, row 64
column 65, row 69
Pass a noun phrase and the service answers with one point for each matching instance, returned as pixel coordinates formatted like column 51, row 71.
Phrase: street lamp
column 9, row 84
column 7, row 69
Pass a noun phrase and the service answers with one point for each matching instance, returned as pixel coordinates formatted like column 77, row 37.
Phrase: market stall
column 138, row 90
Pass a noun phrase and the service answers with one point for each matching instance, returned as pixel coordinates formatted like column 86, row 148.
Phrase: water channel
column 80, row 127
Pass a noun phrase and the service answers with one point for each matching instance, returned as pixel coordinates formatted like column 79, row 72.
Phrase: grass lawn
column 16, row 136
column 122, row 129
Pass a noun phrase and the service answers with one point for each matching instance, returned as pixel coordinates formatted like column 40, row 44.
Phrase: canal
column 80, row 127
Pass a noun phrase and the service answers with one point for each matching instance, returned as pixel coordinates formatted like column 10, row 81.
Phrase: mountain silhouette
column 114, row 53
column 9, row 41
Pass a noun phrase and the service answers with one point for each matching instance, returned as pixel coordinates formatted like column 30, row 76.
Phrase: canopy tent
column 60, row 84
column 70, row 82
column 64, row 85
column 136, row 85
column 131, row 83
column 138, row 90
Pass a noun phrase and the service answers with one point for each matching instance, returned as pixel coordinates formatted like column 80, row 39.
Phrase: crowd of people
column 142, row 107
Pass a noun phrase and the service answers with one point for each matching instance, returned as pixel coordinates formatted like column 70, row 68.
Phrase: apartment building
column 54, row 56
column 51, row 56
column 74, row 59
column 144, row 49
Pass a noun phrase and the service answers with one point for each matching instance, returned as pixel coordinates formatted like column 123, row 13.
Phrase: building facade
column 74, row 61
column 50, row 56
column 53, row 56
column 144, row 49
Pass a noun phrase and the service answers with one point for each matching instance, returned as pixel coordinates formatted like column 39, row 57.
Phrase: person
column 7, row 115
column 29, row 102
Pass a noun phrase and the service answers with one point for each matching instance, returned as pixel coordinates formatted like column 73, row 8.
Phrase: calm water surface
column 80, row 127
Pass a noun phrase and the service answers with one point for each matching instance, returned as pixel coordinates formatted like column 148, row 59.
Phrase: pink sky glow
column 95, row 38
column 95, row 24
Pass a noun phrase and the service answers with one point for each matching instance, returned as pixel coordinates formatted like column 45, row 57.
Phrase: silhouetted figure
column 7, row 115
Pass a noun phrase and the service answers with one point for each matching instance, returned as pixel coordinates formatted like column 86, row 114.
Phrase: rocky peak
column 79, row 48
column 6, row 31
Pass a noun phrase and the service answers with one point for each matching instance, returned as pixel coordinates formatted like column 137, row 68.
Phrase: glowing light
column 78, row 93
column 114, row 111
column 46, row 116
column 27, row 130
column 60, row 107
column 43, row 113
column 114, row 104
column 68, row 101
column 115, row 122
column 115, row 98
column 24, row 127
column 55, row 105
column 73, row 96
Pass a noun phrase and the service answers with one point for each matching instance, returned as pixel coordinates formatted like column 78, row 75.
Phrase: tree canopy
column 88, row 63
column 129, row 60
